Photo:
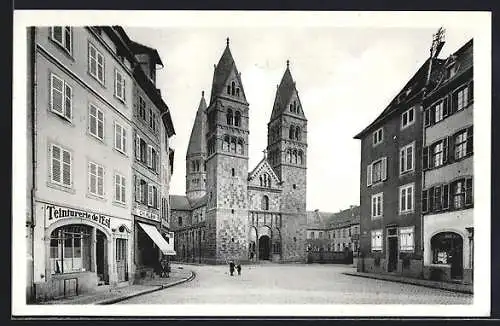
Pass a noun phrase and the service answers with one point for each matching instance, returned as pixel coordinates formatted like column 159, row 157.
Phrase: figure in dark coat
column 231, row 267
column 238, row 268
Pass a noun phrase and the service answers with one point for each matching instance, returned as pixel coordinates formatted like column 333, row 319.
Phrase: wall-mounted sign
column 146, row 214
column 54, row 212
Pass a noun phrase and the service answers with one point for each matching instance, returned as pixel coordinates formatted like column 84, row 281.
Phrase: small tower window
column 237, row 119
column 238, row 91
column 291, row 133
column 294, row 186
column 232, row 88
column 288, row 156
column 233, row 144
column 232, row 172
column 229, row 117
column 179, row 221
column 301, row 158
column 239, row 146
column 291, row 107
column 295, row 156
column 228, row 90
column 225, row 145
column 265, row 203
column 297, row 133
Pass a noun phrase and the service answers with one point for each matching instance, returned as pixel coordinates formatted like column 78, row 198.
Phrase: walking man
column 238, row 268
column 231, row 267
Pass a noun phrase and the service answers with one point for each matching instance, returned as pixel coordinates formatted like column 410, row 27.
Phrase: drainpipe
column 33, row 153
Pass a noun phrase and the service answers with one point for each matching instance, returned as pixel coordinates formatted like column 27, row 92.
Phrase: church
column 230, row 212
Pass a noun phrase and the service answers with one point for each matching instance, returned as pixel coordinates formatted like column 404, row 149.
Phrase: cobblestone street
column 294, row 284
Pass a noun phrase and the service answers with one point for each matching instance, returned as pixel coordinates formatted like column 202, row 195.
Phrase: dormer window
column 378, row 136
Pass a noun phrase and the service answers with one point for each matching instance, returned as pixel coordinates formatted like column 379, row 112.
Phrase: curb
column 416, row 282
column 157, row 288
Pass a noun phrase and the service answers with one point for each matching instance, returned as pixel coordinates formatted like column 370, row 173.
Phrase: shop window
column 70, row 249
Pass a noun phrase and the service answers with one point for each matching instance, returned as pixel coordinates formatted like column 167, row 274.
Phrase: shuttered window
column 61, row 166
column 120, row 138
column 96, row 122
column 119, row 85
column 61, row 97
column 62, row 35
column 96, row 63
column 120, row 188
column 96, row 179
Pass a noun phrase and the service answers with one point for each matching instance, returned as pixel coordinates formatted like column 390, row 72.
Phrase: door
column 264, row 247
column 101, row 257
column 121, row 260
column 393, row 254
column 456, row 258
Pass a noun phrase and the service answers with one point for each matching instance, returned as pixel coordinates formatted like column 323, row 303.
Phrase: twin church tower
column 229, row 212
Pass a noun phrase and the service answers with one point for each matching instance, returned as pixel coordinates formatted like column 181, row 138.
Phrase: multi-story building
column 229, row 212
column 390, row 185
column 82, row 104
column 447, row 196
column 331, row 233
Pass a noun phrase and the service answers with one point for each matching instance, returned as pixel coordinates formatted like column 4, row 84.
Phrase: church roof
column 197, row 143
column 202, row 201
column 178, row 202
column 222, row 72
column 284, row 92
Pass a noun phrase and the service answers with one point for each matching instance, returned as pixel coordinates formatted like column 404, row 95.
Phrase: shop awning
column 153, row 233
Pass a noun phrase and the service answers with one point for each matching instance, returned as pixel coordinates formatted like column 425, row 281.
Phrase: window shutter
column 445, row 150
column 468, row 192
column 68, row 94
column 425, row 158
column 382, row 205
column 446, row 196
column 470, row 142
column 150, row 156
column 66, row 170
column 150, row 195
column 446, row 107
column 471, row 92
column 56, row 163
column 452, row 99
column 427, row 117
column 384, row 168
column 451, row 149
column 57, row 94
column 137, row 147
column 425, row 201
column 431, row 199
column 369, row 175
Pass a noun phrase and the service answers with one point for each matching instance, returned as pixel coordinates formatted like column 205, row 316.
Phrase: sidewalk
column 112, row 295
column 455, row 287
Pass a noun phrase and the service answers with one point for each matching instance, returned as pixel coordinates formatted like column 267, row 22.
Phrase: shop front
column 150, row 246
column 79, row 250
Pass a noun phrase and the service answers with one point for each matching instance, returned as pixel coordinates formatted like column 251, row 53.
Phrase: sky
column 345, row 77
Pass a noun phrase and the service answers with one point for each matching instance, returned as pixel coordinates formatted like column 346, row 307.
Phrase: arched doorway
column 447, row 249
column 264, row 247
column 101, row 257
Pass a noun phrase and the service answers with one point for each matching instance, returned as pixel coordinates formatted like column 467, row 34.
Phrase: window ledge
column 96, row 138
column 119, row 204
column 96, row 197
column 67, row 189
column 121, row 152
column 406, row 212
column 102, row 83
column 66, row 53
column 63, row 117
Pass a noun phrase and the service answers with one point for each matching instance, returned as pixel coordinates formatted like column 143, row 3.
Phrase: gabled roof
column 412, row 88
column 222, row 72
column 202, row 201
column 264, row 164
column 197, row 143
column 284, row 93
column 314, row 220
column 138, row 48
column 178, row 202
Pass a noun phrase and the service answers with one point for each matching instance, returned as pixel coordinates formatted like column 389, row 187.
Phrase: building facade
column 229, row 212
column 390, row 184
column 447, row 196
column 82, row 187
column 330, row 235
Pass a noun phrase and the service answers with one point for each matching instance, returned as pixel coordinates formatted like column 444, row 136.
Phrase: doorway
column 101, row 257
column 392, row 249
column 121, row 260
column 264, row 247
column 447, row 248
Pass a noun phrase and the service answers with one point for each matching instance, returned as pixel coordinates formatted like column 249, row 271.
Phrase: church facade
column 230, row 212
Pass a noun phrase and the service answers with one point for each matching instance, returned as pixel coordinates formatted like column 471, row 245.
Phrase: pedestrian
column 231, row 267
column 251, row 255
column 238, row 268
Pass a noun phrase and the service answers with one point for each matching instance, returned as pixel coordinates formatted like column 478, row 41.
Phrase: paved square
column 294, row 284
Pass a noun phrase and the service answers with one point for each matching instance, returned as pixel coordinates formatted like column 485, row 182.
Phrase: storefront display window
column 70, row 249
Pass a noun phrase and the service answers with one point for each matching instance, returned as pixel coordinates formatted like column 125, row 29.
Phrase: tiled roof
column 202, row 201
column 178, row 202
column 197, row 143
column 326, row 220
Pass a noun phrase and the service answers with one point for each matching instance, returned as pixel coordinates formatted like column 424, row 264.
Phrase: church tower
column 287, row 154
column 227, row 163
column 197, row 154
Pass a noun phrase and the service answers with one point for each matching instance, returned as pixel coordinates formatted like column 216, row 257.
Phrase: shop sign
column 146, row 214
column 53, row 213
